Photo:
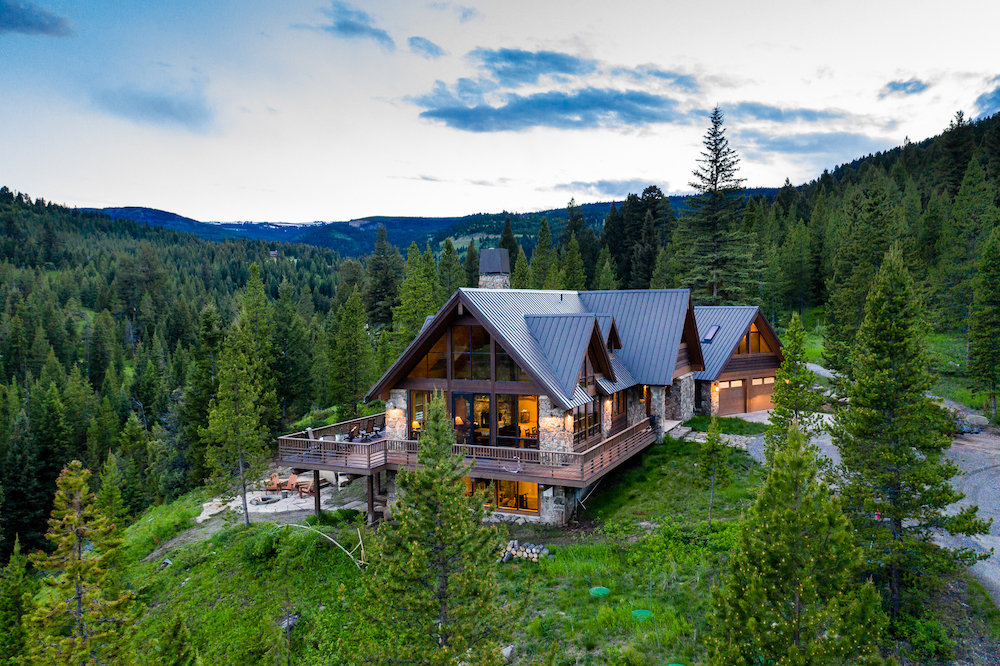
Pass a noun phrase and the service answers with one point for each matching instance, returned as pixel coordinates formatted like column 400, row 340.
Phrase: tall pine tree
column 984, row 324
column 385, row 271
column 792, row 594
column 471, row 265
column 795, row 402
column 542, row 257
column 892, row 438
column 352, row 355
column 450, row 273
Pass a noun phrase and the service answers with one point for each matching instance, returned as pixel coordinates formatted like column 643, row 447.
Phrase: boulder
column 509, row 653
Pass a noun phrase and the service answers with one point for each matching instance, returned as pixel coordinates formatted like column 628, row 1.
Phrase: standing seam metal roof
column 732, row 321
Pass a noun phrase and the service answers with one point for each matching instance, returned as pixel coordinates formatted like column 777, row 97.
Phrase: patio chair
column 355, row 430
column 273, row 484
column 367, row 429
column 290, row 483
column 307, row 490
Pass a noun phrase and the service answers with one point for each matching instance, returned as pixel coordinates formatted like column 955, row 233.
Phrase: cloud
column 350, row 22
column 899, row 88
column 989, row 102
column 28, row 18
column 685, row 82
column 190, row 112
column 618, row 189
column 580, row 109
column 515, row 67
column 758, row 111
column 837, row 145
column 425, row 47
column 465, row 14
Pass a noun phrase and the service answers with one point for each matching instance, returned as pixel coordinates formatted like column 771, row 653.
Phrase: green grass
column 158, row 524
column 813, row 347
column 727, row 425
column 947, row 356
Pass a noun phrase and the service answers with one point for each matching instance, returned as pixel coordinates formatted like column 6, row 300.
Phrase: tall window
column 419, row 403
column 587, row 373
column 434, row 365
column 753, row 342
column 470, row 347
column 586, row 421
column 517, row 495
column 517, row 421
column 472, row 418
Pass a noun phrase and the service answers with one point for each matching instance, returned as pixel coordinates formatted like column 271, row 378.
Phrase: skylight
column 711, row 334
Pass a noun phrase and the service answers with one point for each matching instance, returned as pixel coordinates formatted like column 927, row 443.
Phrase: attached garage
column 760, row 393
column 732, row 397
column 742, row 356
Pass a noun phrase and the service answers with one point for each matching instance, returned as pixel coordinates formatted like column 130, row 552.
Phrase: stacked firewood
column 524, row 551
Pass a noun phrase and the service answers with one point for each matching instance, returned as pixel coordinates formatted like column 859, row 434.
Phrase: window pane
column 768, row 380
column 480, row 340
column 459, row 339
column 506, row 369
column 437, row 367
column 743, row 346
column 507, row 494
column 754, row 342
column 419, row 370
column 481, row 367
column 461, row 408
column 481, row 419
column 528, row 496
column 506, row 416
column 736, row 383
column 527, row 420
column 764, row 347
column 461, row 366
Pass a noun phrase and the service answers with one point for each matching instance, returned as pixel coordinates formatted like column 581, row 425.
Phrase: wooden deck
column 326, row 449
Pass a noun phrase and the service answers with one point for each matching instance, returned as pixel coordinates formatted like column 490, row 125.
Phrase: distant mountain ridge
column 357, row 237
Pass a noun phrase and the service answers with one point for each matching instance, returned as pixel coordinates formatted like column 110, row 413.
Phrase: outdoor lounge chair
column 355, row 429
column 290, row 483
column 307, row 490
column 273, row 484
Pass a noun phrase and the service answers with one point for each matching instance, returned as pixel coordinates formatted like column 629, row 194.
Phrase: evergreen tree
column 14, row 585
column 573, row 276
column 77, row 623
column 644, row 254
column 133, row 455
column 508, row 241
column 606, row 278
column 542, row 257
column 416, row 300
column 22, row 470
column 973, row 216
column 792, row 596
column 713, row 463
column 891, row 438
column 955, row 147
column 715, row 250
column 432, row 581
column 52, row 436
column 663, row 274
column 795, row 402
column 109, row 497
column 291, row 354
column 521, row 277
column 240, row 416
column 385, row 272
column 352, row 355
column 797, row 265
column 613, row 237
column 984, row 324
column 430, row 278
column 450, row 273
column 471, row 265
column 869, row 224
column 203, row 384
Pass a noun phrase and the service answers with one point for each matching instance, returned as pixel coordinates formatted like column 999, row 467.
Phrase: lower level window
column 517, row 495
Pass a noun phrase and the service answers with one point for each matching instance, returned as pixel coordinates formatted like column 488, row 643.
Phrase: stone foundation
column 395, row 415
column 556, row 504
column 680, row 405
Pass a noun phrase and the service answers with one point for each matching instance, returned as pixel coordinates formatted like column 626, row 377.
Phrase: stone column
column 635, row 409
column 494, row 281
column 553, row 432
column 553, row 505
column 709, row 399
column 681, row 407
column 395, row 415
column 606, row 416
column 658, row 406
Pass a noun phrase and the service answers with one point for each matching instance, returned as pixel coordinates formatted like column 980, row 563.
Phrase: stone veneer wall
column 605, row 415
column 494, row 281
column 709, row 399
column 552, row 432
column 395, row 415
column 635, row 409
column 680, row 405
column 658, row 405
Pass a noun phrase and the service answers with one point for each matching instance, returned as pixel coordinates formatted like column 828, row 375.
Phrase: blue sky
column 304, row 111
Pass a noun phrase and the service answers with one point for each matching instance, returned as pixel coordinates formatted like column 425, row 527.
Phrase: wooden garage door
column 732, row 397
column 760, row 393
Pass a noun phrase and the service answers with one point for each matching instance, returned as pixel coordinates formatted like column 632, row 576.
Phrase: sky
column 308, row 110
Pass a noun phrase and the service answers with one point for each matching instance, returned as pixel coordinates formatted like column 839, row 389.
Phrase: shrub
column 926, row 635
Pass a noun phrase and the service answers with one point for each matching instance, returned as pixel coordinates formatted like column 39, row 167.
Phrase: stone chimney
column 494, row 268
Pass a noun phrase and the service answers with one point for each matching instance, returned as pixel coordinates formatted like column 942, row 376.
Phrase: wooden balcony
column 327, row 449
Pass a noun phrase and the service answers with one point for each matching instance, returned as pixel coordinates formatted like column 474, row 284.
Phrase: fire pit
column 260, row 501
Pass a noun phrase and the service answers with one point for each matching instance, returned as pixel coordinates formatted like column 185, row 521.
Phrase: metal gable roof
column 733, row 321
column 564, row 338
column 623, row 377
column 427, row 322
column 650, row 323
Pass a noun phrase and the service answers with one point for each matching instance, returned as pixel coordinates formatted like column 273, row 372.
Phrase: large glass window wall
column 517, row 421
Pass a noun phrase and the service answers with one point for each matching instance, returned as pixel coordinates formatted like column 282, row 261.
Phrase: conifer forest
column 145, row 371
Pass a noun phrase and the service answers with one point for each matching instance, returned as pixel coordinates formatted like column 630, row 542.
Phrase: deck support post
column 316, row 490
column 371, row 499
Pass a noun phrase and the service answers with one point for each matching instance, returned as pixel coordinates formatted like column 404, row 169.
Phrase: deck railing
column 360, row 456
